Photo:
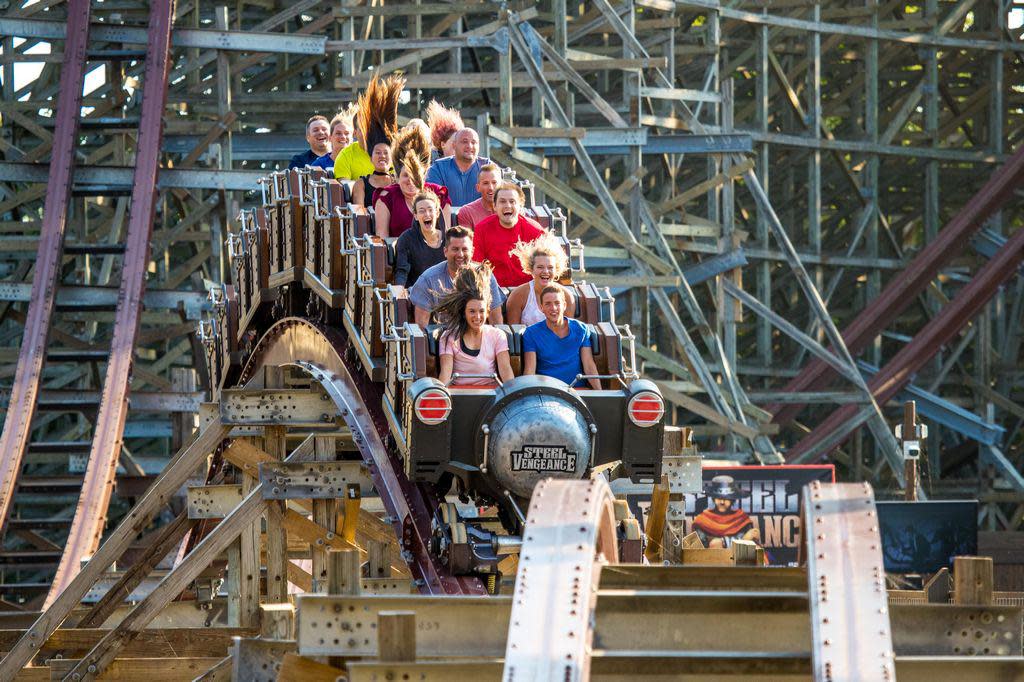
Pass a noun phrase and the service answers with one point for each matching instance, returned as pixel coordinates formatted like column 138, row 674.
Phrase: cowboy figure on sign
column 723, row 521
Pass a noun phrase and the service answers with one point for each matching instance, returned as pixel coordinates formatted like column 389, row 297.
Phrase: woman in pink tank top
column 473, row 352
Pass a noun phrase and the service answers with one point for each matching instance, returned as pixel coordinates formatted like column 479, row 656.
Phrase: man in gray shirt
column 437, row 279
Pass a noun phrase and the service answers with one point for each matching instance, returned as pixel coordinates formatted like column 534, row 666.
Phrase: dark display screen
column 922, row 537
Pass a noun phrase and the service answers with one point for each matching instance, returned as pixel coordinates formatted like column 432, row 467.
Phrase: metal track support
column 46, row 278
column 570, row 531
column 899, row 371
column 912, row 280
column 850, row 633
column 98, row 485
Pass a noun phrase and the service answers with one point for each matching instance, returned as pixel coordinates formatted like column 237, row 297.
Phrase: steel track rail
column 902, row 290
column 570, row 531
column 319, row 352
column 46, row 279
column 98, row 485
column 850, row 630
column 940, row 330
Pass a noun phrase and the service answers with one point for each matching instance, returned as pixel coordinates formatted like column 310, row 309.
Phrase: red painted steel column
column 898, row 372
column 46, row 278
column 90, row 516
column 904, row 287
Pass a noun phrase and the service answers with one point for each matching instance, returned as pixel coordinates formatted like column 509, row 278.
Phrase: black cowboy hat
column 723, row 488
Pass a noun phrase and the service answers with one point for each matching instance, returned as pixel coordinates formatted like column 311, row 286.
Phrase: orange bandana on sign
column 723, row 525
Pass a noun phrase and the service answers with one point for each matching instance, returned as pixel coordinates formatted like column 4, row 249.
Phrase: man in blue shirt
column 318, row 135
column 459, row 173
column 437, row 279
column 558, row 347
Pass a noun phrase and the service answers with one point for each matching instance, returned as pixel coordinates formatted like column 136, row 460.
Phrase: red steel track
column 904, row 287
column 98, row 486
column 898, row 372
column 46, row 279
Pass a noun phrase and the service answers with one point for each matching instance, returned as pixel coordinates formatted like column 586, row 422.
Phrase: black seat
column 433, row 332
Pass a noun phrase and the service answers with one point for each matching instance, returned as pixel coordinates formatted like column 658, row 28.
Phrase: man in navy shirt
column 318, row 135
column 558, row 347
column 459, row 173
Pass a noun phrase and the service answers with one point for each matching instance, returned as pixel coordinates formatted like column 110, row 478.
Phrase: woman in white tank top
column 545, row 261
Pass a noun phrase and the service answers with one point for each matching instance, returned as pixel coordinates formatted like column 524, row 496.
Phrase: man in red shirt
column 475, row 211
column 495, row 236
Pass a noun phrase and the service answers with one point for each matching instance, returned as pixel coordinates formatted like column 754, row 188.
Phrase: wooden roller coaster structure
column 313, row 412
column 313, row 418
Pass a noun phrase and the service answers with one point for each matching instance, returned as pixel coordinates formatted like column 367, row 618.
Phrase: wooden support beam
column 344, row 572
column 278, row 621
column 277, row 536
column 655, row 525
column 103, row 654
column 174, row 669
column 396, row 636
column 295, row 668
column 155, row 499
column 325, row 515
column 972, row 580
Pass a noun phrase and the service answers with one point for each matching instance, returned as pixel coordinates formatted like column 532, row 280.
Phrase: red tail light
column 646, row 408
column 432, row 406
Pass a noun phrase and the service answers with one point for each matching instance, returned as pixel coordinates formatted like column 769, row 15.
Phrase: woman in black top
column 422, row 246
column 362, row 189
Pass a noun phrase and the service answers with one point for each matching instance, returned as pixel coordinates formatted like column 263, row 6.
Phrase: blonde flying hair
column 346, row 115
column 545, row 245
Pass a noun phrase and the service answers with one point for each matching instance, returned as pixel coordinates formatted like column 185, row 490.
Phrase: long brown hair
column 377, row 111
column 472, row 283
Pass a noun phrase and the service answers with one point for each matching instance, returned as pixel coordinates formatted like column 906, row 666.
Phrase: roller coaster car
column 307, row 251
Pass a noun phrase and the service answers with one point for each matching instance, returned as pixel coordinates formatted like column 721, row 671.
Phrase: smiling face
column 506, row 205
column 722, row 506
column 319, row 137
column 466, row 145
column 381, row 157
column 425, row 211
column 458, row 252
column 486, row 183
column 409, row 188
column 476, row 314
column 543, row 270
column 341, row 135
column 553, row 306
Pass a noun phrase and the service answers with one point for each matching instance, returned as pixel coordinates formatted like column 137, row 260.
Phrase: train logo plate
column 544, row 458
